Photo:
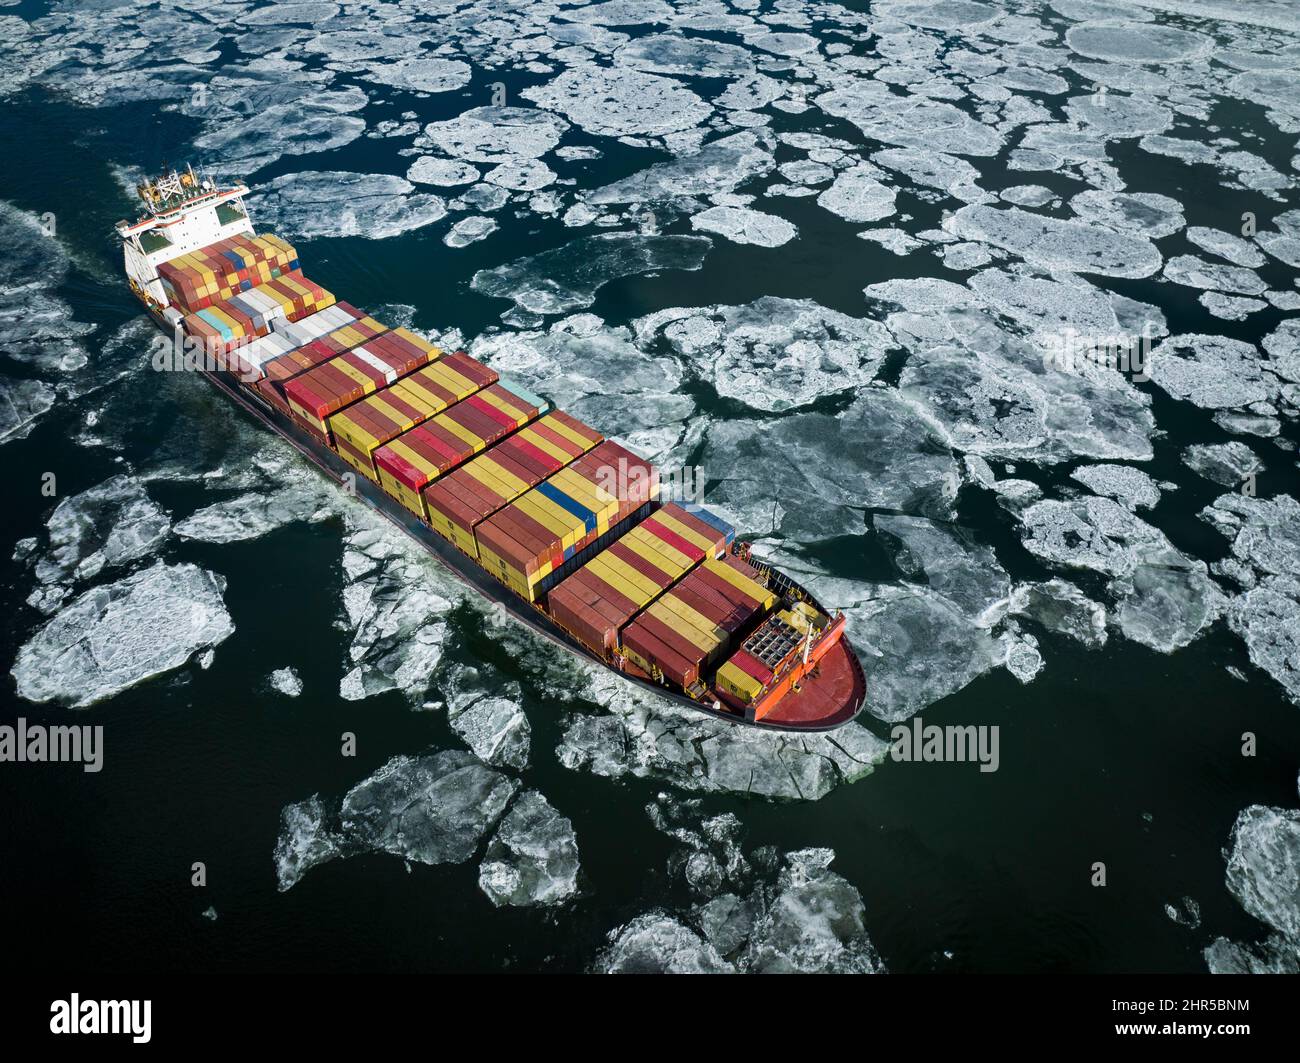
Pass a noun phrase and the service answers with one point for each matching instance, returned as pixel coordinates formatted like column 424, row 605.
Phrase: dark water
column 1119, row 755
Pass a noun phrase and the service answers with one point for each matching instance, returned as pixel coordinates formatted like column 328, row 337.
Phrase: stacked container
column 537, row 540
column 242, row 317
column 324, row 390
column 596, row 601
column 413, row 460
column 458, row 502
column 350, row 332
column 211, row 274
column 693, row 623
column 362, row 429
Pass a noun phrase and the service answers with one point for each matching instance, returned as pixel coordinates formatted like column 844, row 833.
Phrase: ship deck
column 828, row 699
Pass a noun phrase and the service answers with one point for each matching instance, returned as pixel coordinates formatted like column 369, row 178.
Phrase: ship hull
column 844, row 695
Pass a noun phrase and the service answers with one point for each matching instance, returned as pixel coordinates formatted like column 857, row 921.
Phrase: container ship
column 529, row 506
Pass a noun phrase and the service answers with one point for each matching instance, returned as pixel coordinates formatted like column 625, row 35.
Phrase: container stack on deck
column 529, row 544
column 253, row 313
column 201, row 278
column 324, row 390
column 457, row 503
column 444, row 440
column 596, row 601
column 694, row 622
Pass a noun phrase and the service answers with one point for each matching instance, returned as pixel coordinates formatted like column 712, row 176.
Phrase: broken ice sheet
column 810, row 920
column 1214, row 372
column 772, row 354
column 118, row 635
column 605, row 378
column 620, row 102
column 286, row 681
column 1125, row 484
column 1264, row 867
column 105, row 526
column 435, row 808
column 532, row 859
column 396, row 601
column 741, row 225
column 719, row 166
column 567, row 278
column 336, row 203
column 495, row 134
column 1227, row 464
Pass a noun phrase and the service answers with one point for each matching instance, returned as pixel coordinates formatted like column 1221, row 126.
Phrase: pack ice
column 115, row 636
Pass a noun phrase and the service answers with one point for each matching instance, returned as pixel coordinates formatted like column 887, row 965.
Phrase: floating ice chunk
column 606, row 379
column 1279, row 89
column 116, row 636
column 1267, row 619
column 1024, row 661
column 751, row 93
column 1148, row 213
column 895, row 240
column 521, row 175
column 911, row 122
column 857, row 195
column 22, row 402
column 1128, row 485
column 334, row 203
column 495, row 134
column 103, row 527
column 1028, row 195
column 688, row 56
column 1165, row 608
column 1136, row 42
column 496, row 729
column 1193, row 272
column 422, row 73
column 1048, row 307
column 719, row 166
column 1057, row 245
column 1228, row 464
column 809, row 476
column 744, row 226
column 620, row 102
column 1233, row 248
column 427, row 170
column 773, row 354
column 307, row 14
column 430, row 809
column 1214, row 372
column 939, row 14
column 1284, row 248
column 1186, row 913
column 1276, row 955
column 1113, row 117
column 1283, row 347
column 315, row 121
column 470, row 230
column 658, row 943
column 533, row 857
column 1264, row 867
column 287, row 681
column 950, row 562
column 396, row 602
column 1230, row 307
column 1097, row 534
column 304, row 841
column 1061, row 608
column 567, row 278
column 253, row 515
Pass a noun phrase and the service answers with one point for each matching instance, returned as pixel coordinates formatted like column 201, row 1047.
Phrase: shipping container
column 601, row 597
column 327, row 388
column 197, row 280
column 529, row 543
column 240, row 318
column 458, row 501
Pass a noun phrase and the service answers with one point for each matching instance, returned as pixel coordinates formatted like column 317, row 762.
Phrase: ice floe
column 431, row 809
column 1125, row 484
column 496, row 134
column 858, row 195
column 533, row 857
column 286, row 681
column 470, row 230
column 1227, row 464
column 567, row 278
column 118, row 635
column 1264, row 867
column 336, row 203
column 744, row 226
column 772, row 354
column 620, row 102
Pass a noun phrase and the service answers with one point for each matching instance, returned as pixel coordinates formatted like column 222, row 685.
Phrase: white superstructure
column 186, row 212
